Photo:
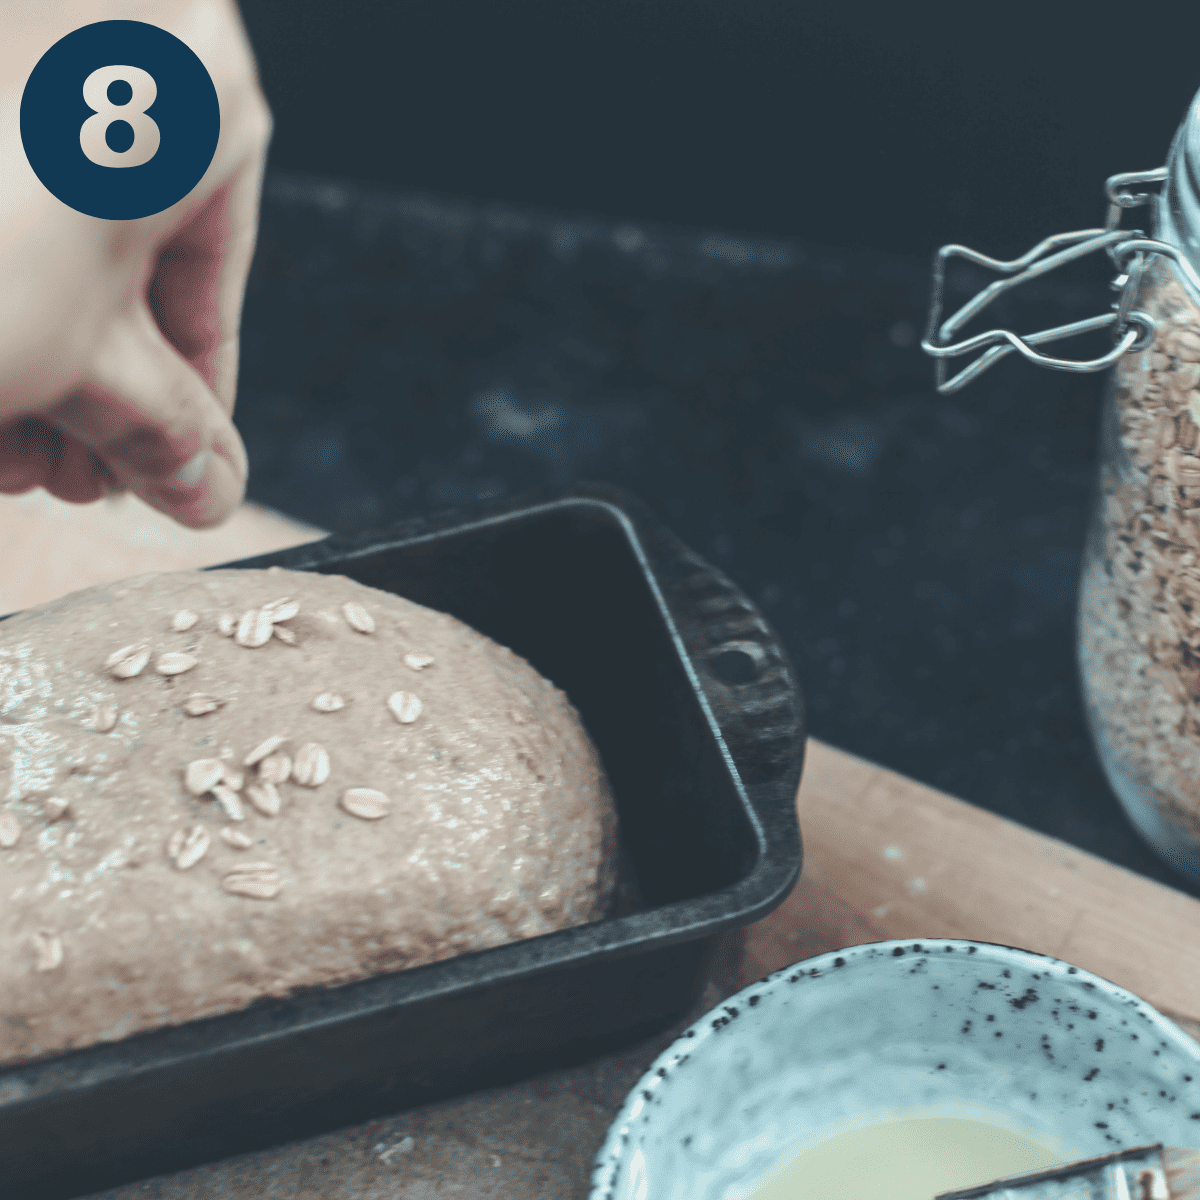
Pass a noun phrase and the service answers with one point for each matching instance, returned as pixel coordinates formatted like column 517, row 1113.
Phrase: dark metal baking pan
column 694, row 708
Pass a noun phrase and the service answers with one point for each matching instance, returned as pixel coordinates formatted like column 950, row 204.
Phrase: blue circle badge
column 120, row 120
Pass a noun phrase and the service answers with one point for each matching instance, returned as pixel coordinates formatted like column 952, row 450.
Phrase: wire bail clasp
column 1130, row 251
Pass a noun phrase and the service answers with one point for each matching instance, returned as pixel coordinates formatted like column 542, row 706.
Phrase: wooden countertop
column 885, row 857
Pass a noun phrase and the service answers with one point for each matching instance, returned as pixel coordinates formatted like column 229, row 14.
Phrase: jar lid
column 1177, row 213
column 1175, row 208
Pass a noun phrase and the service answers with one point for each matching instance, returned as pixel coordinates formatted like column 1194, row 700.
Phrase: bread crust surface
column 497, row 820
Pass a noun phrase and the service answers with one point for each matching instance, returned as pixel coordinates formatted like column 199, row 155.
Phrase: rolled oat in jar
column 1138, row 627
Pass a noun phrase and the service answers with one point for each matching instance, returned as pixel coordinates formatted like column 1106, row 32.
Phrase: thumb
column 156, row 425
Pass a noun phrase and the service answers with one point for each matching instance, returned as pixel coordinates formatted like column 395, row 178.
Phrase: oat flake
column 230, row 802
column 193, row 848
column 358, row 618
column 203, row 775
column 311, row 766
column 275, row 768
column 253, row 886
column 174, row 663
column 265, row 798
column 263, row 749
column 282, row 610
column 366, row 803
column 200, row 705
column 406, row 707
column 255, row 628
column 105, row 717
column 128, row 661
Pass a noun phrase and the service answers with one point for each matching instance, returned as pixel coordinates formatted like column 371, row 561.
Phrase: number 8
column 92, row 133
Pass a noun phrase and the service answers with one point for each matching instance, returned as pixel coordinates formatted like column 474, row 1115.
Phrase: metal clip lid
column 1177, row 230
column 1128, row 249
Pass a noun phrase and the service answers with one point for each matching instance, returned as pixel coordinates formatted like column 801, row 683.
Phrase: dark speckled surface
column 918, row 554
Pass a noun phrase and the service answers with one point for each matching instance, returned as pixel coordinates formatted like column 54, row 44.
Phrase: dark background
column 731, row 333
column 895, row 126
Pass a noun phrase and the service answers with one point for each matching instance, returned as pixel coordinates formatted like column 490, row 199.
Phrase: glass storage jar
column 1138, row 630
column 1138, row 617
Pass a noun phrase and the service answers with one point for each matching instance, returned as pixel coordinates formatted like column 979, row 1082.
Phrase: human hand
column 119, row 339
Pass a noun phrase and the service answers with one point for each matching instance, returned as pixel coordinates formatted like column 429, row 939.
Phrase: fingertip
column 16, row 478
column 79, row 479
column 30, row 454
column 208, row 502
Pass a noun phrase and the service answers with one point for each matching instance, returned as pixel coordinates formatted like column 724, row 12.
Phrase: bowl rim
column 610, row 1158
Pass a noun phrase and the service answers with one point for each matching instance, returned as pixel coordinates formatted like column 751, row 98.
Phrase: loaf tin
column 694, row 707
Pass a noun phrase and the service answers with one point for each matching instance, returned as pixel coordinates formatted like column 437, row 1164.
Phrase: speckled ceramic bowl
column 878, row 1030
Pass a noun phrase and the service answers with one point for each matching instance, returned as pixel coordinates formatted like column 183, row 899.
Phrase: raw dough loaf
column 498, row 820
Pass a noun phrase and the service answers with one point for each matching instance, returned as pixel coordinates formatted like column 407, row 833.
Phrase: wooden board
column 885, row 857
column 49, row 547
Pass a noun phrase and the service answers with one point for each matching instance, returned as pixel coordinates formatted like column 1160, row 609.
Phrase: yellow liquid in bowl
column 907, row 1159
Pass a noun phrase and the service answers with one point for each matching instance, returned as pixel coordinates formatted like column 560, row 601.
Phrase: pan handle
column 750, row 686
column 739, row 658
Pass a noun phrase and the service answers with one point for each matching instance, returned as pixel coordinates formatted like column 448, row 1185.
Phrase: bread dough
column 498, row 823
